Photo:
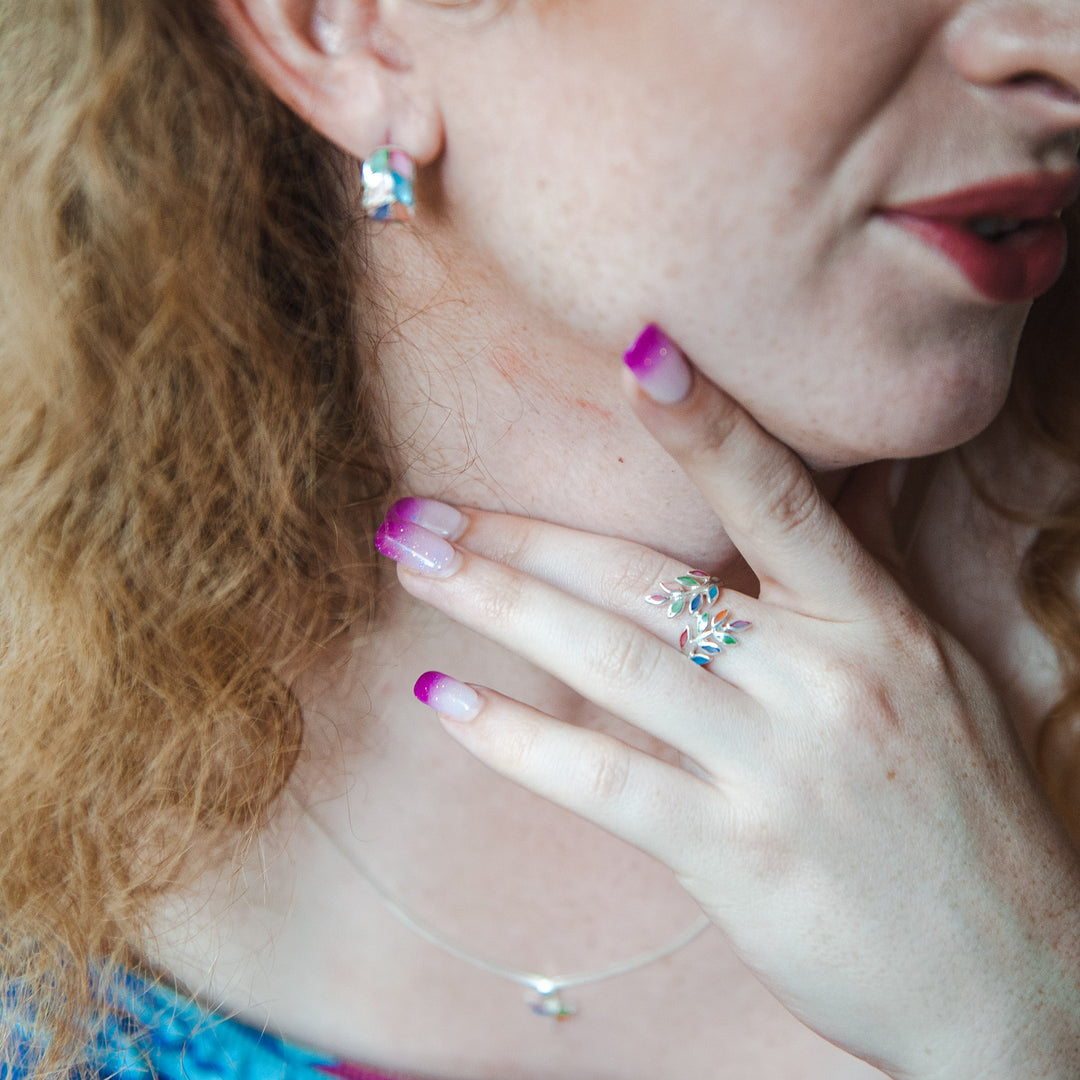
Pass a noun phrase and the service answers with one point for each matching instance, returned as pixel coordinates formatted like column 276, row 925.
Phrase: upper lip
column 1029, row 197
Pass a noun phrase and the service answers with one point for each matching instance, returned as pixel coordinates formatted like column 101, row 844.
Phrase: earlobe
column 340, row 68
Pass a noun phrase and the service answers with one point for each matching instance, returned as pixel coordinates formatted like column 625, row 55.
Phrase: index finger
column 769, row 503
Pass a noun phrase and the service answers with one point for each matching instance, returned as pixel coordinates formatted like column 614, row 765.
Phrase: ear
column 340, row 66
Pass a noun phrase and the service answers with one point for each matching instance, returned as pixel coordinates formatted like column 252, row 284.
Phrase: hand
column 858, row 818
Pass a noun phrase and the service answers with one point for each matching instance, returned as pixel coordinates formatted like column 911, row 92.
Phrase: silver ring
column 707, row 632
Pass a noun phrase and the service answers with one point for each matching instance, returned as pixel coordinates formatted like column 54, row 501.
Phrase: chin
column 911, row 389
column 921, row 426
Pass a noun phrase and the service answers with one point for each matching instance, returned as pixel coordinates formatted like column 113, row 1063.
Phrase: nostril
column 1045, row 84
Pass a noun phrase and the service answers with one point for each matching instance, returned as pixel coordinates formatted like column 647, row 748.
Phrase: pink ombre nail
column 436, row 517
column 447, row 696
column 417, row 549
column 659, row 366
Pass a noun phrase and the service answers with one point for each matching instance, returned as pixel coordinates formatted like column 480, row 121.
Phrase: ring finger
column 606, row 658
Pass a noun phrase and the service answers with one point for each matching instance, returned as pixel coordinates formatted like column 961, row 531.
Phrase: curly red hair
column 188, row 478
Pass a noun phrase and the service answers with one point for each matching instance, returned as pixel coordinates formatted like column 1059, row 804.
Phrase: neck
column 526, row 427
column 532, row 421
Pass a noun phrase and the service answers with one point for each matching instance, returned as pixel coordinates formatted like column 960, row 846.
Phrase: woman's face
column 722, row 167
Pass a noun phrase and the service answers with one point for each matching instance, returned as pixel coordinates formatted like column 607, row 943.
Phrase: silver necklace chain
column 545, row 990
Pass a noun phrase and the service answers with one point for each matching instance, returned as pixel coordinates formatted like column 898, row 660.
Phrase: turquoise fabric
column 184, row 1042
column 159, row 1034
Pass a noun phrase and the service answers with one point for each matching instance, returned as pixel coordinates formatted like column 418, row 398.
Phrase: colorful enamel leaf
column 707, row 635
column 694, row 590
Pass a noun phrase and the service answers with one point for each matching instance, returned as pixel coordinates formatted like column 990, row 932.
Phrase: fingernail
column 417, row 549
column 447, row 696
column 436, row 517
column 659, row 366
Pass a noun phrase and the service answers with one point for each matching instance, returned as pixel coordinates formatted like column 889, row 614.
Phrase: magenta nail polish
column 417, row 549
column 447, row 696
column 436, row 517
column 659, row 366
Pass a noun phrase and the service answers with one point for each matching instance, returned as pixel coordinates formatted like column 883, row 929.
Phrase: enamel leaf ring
column 707, row 632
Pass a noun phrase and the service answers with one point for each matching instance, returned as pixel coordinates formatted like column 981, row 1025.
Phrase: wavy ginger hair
column 187, row 480
column 188, row 483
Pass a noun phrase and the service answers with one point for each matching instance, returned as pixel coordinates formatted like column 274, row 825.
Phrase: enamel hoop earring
column 388, row 177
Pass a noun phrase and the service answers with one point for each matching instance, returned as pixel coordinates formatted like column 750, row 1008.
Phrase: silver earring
column 388, row 176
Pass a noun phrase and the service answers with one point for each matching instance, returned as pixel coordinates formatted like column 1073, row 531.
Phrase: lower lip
column 1019, row 268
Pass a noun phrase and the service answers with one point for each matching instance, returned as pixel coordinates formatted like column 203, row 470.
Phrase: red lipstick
column 1005, row 236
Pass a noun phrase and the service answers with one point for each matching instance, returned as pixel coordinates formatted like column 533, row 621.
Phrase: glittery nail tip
column 659, row 366
column 447, row 696
column 437, row 517
column 417, row 549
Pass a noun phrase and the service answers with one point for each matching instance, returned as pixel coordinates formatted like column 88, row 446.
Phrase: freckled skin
column 723, row 184
column 590, row 408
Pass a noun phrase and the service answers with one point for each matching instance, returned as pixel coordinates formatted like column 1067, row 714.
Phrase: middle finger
column 616, row 575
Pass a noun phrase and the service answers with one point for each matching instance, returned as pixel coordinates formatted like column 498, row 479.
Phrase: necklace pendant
column 548, row 1002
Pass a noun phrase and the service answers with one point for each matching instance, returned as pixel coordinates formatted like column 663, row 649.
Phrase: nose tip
column 1030, row 48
